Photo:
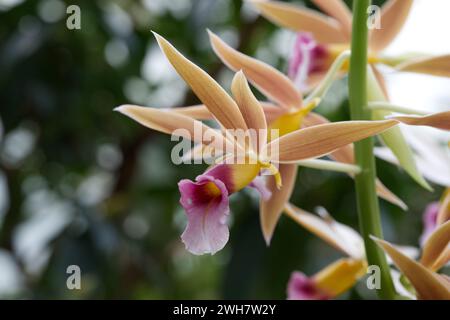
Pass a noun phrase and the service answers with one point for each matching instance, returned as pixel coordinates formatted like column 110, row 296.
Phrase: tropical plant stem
column 367, row 200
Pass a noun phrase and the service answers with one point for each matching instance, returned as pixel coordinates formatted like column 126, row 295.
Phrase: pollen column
column 367, row 201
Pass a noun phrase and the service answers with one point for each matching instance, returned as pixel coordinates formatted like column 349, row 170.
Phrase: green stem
column 367, row 200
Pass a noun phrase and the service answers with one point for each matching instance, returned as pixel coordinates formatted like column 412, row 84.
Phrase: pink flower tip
column 301, row 287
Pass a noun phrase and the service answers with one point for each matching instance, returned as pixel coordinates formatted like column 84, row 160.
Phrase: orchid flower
column 206, row 200
column 321, row 38
column 340, row 275
column 286, row 113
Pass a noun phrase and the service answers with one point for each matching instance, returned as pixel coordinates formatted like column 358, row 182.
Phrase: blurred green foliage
column 97, row 190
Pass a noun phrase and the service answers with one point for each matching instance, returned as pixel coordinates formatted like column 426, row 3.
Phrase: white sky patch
column 424, row 32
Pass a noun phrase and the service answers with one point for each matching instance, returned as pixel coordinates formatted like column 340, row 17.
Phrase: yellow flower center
column 246, row 169
column 212, row 190
column 290, row 121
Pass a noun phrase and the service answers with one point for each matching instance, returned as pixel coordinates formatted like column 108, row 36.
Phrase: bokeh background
column 83, row 185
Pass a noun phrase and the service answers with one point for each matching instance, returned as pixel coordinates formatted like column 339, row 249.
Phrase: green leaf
column 393, row 138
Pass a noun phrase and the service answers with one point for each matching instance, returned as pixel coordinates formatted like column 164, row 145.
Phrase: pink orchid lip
column 207, row 208
column 308, row 57
column 301, row 287
column 206, row 202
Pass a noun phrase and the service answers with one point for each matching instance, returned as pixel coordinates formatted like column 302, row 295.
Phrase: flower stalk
column 386, row 106
column 367, row 201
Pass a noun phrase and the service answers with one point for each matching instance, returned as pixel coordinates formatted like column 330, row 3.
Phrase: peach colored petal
column 436, row 249
column 172, row 123
column 271, row 209
column 393, row 16
column 338, row 10
column 325, row 29
column 386, row 194
column 199, row 112
column 272, row 83
column 436, row 66
column 323, row 139
column 345, row 155
column 201, row 152
column 439, row 120
column 444, row 208
column 206, row 88
column 250, row 109
column 428, row 285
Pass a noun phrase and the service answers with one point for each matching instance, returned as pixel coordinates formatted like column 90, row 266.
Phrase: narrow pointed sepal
column 212, row 95
column 323, row 139
column 436, row 249
column 272, row 83
column 166, row 121
column 439, row 120
column 443, row 214
column 251, row 110
column 345, row 155
column 338, row 10
column 198, row 112
column 272, row 208
column 436, row 66
column 394, row 14
column 286, row 15
column 428, row 285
